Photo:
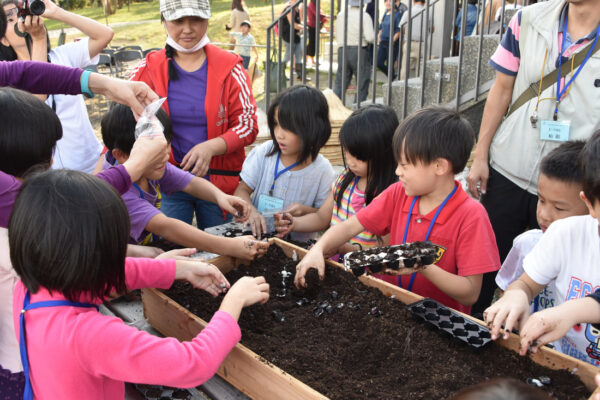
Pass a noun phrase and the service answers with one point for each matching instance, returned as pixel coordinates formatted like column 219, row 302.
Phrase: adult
column 486, row 19
column 471, row 19
column 355, row 45
column 539, row 39
column 313, row 35
column 286, row 28
column 417, row 35
column 239, row 14
column 385, row 33
column 209, row 99
column 79, row 148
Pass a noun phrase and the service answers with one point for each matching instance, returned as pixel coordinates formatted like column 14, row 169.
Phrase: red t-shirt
column 462, row 230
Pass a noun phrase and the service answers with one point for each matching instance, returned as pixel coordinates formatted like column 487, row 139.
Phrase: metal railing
column 438, row 14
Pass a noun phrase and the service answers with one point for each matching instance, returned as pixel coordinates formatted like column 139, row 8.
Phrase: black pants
column 511, row 211
column 311, row 43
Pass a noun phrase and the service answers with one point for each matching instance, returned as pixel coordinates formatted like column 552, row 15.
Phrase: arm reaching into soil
column 329, row 242
column 176, row 231
column 553, row 323
column 257, row 222
column 205, row 190
column 317, row 221
column 512, row 309
column 245, row 292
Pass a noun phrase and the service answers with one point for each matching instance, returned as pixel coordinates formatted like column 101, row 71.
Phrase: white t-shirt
column 79, row 149
column 512, row 269
column 310, row 186
column 569, row 252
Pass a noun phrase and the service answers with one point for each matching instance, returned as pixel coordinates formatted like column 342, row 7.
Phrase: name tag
column 556, row 131
column 266, row 202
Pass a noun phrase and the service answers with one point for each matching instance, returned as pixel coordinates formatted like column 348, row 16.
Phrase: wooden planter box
column 259, row 379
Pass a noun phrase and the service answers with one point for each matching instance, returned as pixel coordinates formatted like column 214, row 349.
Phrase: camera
column 31, row 7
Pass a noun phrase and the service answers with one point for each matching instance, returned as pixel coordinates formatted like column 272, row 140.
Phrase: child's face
column 245, row 29
column 289, row 143
column 156, row 171
column 557, row 200
column 358, row 167
column 418, row 179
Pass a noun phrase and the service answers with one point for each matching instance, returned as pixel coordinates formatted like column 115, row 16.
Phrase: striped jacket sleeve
column 507, row 57
column 243, row 124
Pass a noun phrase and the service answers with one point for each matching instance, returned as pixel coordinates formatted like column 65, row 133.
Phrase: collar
column 455, row 201
column 561, row 23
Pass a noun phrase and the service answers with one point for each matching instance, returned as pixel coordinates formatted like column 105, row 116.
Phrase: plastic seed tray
column 451, row 323
column 413, row 255
column 152, row 392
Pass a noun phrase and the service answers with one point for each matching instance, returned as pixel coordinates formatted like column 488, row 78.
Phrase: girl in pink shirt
column 68, row 237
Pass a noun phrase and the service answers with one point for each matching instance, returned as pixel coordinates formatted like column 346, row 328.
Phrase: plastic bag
column 148, row 125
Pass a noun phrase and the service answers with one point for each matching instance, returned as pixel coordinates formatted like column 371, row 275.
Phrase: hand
column 248, row 248
column 34, row 25
column 312, row 259
column 197, row 159
column 51, row 9
column 544, row 327
column 511, row 310
column 235, row 206
column 478, row 174
column 179, row 254
column 136, row 95
column 298, row 209
column 284, row 223
column 202, row 276
column 147, row 152
column 257, row 223
column 245, row 292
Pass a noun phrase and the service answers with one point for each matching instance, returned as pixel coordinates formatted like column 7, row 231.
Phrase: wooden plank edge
column 243, row 368
column 545, row 356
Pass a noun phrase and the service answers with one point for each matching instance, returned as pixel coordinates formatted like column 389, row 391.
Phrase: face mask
column 203, row 42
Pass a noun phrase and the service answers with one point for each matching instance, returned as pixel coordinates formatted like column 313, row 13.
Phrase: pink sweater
column 79, row 353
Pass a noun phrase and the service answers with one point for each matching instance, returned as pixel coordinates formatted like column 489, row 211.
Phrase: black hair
column 68, row 233
column 561, row 163
column 367, row 135
column 435, row 132
column 589, row 164
column 502, row 389
column 118, row 127
column 28, row 132
column 3, row 22
column 302, row 110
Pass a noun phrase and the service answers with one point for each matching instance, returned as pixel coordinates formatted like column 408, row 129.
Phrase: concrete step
column 413, row 99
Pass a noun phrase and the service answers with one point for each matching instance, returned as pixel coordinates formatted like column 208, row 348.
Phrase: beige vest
column 516, row 150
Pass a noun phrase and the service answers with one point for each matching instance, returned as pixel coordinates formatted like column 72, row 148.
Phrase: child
column 559, row 185
column 28, row 134
column 431, row 146
column 144, row 198
column 365, row 139
column 78, row 259
column 567, row 253
column 288, row 173
column 244, row 43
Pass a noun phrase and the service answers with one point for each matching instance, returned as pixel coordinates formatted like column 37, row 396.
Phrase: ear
column 4, row 41
column 588, row 204
column 119, row 155
column 442, row 166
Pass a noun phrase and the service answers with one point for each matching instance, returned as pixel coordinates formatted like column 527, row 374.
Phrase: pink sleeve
column 105, row 346
column 149, row 273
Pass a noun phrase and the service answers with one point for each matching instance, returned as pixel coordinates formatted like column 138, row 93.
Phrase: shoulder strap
column 548, row 80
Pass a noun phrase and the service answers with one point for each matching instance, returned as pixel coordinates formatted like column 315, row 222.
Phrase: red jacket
column 230, row 106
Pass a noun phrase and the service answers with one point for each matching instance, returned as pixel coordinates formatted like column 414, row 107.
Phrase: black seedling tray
column 152, row 392
column 451, row 323
column 413, row 255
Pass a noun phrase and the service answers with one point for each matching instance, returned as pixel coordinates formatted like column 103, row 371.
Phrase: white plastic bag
column 148, row 125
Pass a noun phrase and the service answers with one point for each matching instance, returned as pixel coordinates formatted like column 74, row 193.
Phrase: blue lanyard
column 28, row 394
column 277, row 174
column 435, row 216
column 559, row 92
column 350, row 197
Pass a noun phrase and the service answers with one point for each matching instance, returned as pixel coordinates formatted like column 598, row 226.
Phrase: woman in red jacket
column 210, row 101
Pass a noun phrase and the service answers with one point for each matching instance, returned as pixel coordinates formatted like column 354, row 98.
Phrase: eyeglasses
column 12, row 12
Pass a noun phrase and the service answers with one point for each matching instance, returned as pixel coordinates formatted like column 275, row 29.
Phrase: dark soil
column 349, row 341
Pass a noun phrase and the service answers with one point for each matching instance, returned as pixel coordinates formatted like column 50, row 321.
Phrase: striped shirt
column 349, row 207
column 507, row 57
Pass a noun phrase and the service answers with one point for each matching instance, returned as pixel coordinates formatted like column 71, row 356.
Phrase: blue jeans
column 182, row 206
column 246, row 60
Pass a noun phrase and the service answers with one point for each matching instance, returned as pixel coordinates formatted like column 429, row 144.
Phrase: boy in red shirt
column 431, row 146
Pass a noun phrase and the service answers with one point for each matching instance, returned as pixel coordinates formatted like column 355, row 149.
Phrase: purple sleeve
column 9, row 188
column 174, row 179
column 117, row 177
column 140, row 212
column 40, row 77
